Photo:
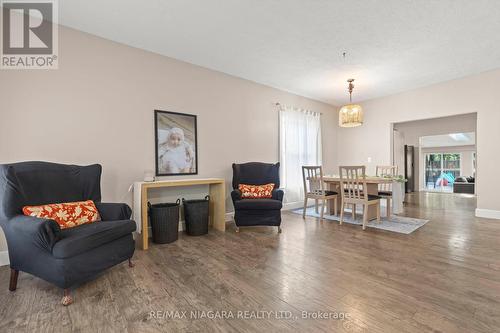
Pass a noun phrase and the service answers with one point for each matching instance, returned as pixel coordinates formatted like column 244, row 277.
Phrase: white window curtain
column 300, row 144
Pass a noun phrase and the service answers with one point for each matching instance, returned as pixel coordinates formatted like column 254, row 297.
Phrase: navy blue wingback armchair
column 69, row 257
column 251, row 212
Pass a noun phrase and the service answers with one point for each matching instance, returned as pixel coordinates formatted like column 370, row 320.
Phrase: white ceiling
column 297, row 45
column 448, row 140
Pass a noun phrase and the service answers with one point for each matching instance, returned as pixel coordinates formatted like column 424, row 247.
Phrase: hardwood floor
column 445, row 277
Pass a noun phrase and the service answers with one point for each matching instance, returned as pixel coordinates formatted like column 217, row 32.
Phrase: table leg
column 218, row 206
column 372, row 209
column 332, row 186
column 144, row 223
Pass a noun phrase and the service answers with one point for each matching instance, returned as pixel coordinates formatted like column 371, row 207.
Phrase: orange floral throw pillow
column 256, row 191
column 67, row 215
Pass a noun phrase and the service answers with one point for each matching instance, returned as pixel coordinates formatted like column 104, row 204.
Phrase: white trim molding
column 229, row 217
column 488, row 213
column 293, row 205
column 4, row 258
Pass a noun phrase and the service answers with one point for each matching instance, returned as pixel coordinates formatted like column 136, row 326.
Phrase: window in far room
column 441, row 170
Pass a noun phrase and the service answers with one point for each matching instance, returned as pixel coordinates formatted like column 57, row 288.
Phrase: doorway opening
column 437, row 155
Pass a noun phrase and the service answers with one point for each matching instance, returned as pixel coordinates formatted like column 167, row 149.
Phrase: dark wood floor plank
column 15, row 314
column 443, row 277
column 47, row 309
column 94, row 308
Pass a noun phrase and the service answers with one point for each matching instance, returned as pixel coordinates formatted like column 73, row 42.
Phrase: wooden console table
column 217, row 202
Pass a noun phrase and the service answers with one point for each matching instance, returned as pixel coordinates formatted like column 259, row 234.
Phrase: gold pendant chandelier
column 351, row 115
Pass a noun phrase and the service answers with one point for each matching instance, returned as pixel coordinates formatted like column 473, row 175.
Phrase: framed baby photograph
column 176, row 144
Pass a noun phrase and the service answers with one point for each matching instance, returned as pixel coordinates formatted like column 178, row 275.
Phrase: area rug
column 399, row 224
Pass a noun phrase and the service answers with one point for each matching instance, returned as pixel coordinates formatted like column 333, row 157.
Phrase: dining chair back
column 385, row 190
column 384, row 171
column 312, row 177
column 354, row 191
column 314, row 188
column 352, row 182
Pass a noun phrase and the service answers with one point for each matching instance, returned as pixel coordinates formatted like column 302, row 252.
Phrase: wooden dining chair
column 314, row 188
column 385, row 190
column 354, row 191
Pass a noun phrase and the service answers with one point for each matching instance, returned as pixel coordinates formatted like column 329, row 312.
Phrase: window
column 300, row 144
column 441, row 170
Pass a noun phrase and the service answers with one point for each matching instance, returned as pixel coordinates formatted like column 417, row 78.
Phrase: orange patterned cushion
column 256, row 191
column 67, row 215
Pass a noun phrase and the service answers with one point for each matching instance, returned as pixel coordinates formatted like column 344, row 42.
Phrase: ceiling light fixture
column 350, row 115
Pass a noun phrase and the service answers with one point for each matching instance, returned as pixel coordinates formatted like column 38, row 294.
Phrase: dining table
column 372, row 187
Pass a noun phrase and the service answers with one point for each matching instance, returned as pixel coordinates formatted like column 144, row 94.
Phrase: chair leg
column 323, row 209
column 388, row 207
column 279, row 229
column 305, row 207
column 67, row 299
column 14, row 274
column 354, row 212
column 378, row 212
column 342, row 205
column 316, row 205
column 335, row 210
column 130, row 263
column 365, row 216
column 237, row 229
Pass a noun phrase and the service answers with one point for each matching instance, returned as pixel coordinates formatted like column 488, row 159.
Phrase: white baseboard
column 4, row 258
column 293, row 205
column 488, row 213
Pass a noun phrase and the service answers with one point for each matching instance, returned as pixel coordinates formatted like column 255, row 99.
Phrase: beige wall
column 98, row 107
column 477, row 93
column 467, row 162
